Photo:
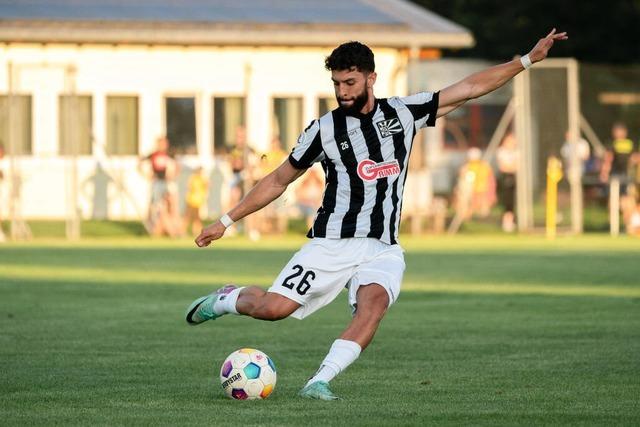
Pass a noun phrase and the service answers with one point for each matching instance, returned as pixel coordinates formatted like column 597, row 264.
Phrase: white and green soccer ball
column 248, row 374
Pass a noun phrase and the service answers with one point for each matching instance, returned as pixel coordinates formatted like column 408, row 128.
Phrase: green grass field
column 488, row 331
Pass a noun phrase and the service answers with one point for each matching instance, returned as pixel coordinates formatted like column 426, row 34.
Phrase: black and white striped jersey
column 365, row 159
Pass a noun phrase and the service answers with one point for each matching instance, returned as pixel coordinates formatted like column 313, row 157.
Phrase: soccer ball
column 248, row 374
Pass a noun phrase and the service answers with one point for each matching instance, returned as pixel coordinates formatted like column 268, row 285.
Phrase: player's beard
column 358, row 103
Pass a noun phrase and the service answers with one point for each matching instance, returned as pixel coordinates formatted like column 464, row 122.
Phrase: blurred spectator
column 197, row 190
column 272, row 218
column 476, row 192
column 618, row 162
column 167, row 220
column 2, row 236
column 507, row 157
column 618, row 156
column 273, row 158
column 241, row 162
column 633, row 226
column 633, row 223
column 579, row 148
column 162, row 169
column 635, row 174
column 309, row 194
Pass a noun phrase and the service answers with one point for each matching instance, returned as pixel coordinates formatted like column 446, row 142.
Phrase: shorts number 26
column 303, row 285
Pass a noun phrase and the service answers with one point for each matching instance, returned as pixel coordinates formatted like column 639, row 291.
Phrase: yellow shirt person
column 197, row 190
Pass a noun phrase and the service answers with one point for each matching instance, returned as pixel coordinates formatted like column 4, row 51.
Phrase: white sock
column 342, row 354
column 227, row 303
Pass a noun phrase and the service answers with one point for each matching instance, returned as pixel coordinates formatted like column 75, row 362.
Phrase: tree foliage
column 599, row 31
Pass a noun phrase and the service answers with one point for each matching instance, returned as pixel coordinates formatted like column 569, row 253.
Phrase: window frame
column 106, row 125
column 90, row 127
column 5, row 144
column 273, row 97
column 196, row 111
column 244, row 98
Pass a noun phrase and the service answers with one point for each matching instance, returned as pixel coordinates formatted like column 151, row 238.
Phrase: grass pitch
column 487, row 331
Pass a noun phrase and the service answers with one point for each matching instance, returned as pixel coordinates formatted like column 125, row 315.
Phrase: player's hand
column 540, row 50
column 210, row 233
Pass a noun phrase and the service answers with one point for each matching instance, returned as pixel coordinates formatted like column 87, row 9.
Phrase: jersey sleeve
column 308, row 150
column 423, row 106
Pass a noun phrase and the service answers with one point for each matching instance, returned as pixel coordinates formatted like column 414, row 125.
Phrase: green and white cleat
column 201, row 309
column 319, row 390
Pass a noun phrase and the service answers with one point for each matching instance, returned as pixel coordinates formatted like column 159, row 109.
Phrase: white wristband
column 526, row 61
column 226, row 220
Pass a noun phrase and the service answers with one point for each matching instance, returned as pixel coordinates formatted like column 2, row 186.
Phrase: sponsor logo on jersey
column 389, row 127
column 369, row 170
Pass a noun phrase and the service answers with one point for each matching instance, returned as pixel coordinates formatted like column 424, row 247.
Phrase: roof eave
column 282, row 35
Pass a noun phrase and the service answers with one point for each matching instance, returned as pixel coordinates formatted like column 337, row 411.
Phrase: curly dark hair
column 351, row 54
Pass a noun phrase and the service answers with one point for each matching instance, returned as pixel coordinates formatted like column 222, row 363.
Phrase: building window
column 20, row 117
column 75, row 117
column 180, row 116
column 122, row 125
column 287, row 120
column 326, row 104
column 228, row 117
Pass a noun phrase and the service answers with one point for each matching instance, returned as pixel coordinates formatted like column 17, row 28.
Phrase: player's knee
column 373, row 296
column 372, row 303
column 381, row 301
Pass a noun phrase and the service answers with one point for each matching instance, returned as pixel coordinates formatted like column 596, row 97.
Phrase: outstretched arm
column 265, row 191
column 488, row 80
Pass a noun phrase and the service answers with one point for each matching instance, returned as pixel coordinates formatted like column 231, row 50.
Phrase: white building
column 93, row 84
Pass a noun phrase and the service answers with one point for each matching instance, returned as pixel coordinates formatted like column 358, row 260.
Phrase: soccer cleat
column 319, row 390
column 201, row 309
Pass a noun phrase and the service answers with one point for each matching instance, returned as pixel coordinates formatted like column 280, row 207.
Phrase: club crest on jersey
column 369, row 170
column 389, row 127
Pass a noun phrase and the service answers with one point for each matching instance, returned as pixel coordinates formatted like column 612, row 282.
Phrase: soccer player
column 364, row 148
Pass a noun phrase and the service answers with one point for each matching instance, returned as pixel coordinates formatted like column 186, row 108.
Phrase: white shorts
column 323, row 267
